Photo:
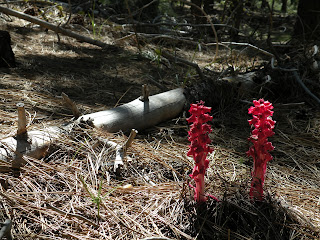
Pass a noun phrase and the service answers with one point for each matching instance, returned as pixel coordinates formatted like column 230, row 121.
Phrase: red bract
column 199, row 149
column 264, row 125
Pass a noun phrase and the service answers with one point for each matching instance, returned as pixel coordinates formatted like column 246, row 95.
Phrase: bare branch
column 54, row 28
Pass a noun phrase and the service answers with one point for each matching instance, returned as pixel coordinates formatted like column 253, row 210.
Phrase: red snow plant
column 259, row 151
column 199, row 149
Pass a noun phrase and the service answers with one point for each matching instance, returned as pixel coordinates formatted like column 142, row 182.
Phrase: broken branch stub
column 22, row 136
column 22, row 121
column 145, row 93
column 133, row 115
column 70, row 104
column 129, row 141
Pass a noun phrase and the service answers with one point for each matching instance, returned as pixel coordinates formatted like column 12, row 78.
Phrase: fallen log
column 137, row 114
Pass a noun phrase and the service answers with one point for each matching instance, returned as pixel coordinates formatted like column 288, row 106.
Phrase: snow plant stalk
column 199, row 149
column 259, row 151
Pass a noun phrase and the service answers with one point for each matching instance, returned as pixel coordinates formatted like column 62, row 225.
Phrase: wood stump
column 6, row 55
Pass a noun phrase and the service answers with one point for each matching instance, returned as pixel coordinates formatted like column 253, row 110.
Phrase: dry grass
column 50, row 200
column 73, row 192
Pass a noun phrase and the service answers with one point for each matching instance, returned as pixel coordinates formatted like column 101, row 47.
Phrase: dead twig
column 298, row 79
column 156, row 238
column 174, row 24
column 162, row 36
column 130, row 139
column 70, row 104
column 134, row 27
column 177, row 59
column 282, row 69
column 157, row 84
column 210, row 22
column 71, row 215
column 54, row 28
column 70, row 13
column 246, row 45
column 138, row 11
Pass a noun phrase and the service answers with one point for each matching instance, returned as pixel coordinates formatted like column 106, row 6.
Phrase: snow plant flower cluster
column 259, row 151
column 199, row 149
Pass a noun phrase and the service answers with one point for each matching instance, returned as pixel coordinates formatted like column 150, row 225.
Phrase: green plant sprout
column 98, row 198
column 158, row 56
column 93, row 24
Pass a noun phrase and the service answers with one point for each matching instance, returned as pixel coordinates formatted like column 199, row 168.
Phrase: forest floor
column 73, row 194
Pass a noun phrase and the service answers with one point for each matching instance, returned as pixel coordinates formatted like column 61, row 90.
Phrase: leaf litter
column 72, row 193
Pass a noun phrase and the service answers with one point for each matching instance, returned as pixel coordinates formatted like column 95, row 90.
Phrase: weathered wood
column 22, row 120
column 54, row 28
column 145, row 93
column 133, row 115
column 6, row 55
column 129, row 141
column 6, row 230
column 70, row 104
column 138, row 114
column 35, row 145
